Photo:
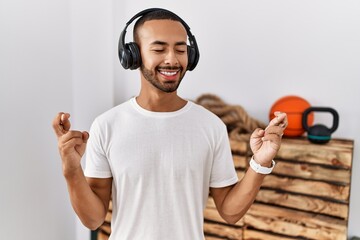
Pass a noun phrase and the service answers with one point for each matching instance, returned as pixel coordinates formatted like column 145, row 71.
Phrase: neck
column 160, row 101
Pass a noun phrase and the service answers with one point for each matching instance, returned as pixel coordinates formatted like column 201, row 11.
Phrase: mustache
column 170, row 68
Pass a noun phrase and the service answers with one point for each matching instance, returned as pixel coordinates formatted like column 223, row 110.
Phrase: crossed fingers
column 277, row 125
column 61, row 124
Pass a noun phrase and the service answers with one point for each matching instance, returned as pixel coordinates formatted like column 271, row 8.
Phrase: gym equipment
column 320, row 133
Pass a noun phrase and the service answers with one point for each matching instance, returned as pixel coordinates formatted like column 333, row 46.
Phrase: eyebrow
column 164, row 43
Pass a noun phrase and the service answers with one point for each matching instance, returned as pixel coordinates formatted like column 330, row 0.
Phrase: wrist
column 266, row 163
column 71, row 173
column 262, row 169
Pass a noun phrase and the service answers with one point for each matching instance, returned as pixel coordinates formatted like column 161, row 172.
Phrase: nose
column 171, row 58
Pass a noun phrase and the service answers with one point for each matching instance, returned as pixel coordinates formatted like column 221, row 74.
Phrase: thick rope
column 239, row 124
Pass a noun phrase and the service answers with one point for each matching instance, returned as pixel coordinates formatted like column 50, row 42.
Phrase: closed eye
column 158, row 50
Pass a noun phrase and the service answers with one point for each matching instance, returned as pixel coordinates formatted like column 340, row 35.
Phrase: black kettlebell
column 319, row 133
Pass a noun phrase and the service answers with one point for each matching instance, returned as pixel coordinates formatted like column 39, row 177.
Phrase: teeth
column 168, row 73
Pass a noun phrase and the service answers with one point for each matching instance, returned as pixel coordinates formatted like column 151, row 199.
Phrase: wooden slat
column 213, row 238
column 105, row 228
column 335, row 153
column 222, row 230
column 210, row 203
column 212, row 214
column 313, row 172
column 250, row 234
column 110, row 205
column 241, row 161
column 304, row 203
column 240, row 174
column 313, row 188
column 295, row 223
column 335, row 142
column 241, row 148
column 108, row 217
column 102, row 236
column 302, row 170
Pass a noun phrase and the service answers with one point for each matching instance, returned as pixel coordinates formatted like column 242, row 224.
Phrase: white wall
column 92, row 67
column 254, row 52
column 54, row 56
column 35, row 83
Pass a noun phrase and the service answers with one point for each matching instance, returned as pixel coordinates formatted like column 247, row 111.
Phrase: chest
column 167, row 150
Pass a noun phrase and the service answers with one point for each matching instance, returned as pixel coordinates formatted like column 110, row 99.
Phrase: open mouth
column 169, row 74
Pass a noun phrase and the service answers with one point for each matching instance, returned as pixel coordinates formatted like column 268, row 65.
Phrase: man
column 157, row 155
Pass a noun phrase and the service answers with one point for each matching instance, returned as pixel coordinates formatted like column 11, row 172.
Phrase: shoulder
column 115, row 112
column 202, row 112
column 207, row 120
column 108, row 119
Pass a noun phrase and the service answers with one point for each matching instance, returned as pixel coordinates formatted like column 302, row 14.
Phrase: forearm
column 234, row 201
column 87, row 205
column 241, row 196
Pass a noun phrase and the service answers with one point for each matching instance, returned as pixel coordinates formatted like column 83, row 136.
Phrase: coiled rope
column 239, row 124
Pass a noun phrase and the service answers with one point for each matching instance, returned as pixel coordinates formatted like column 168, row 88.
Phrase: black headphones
column 129, row 53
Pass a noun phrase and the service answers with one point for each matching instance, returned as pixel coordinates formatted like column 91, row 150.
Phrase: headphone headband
column 129, row 53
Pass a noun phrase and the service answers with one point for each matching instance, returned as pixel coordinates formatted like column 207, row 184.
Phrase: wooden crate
column 306, row 196
column 104, row 230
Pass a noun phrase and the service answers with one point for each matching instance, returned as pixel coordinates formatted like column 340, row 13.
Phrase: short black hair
column 160, row 14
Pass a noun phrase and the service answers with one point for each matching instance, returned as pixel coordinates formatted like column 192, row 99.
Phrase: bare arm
column 89, row 196
column 232, row 202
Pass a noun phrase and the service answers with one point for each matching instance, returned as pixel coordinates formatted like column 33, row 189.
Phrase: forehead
column 162, row 30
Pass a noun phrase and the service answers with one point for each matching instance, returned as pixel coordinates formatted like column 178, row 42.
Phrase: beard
column 167, row 87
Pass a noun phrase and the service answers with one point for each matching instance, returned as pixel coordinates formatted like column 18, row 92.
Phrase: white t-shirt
column 162, row 165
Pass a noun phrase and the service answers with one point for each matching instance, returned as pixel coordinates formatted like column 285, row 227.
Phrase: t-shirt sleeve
column 223, row 170
column 97, row 164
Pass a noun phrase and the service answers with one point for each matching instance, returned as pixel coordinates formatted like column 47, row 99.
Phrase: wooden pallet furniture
column 306, row 196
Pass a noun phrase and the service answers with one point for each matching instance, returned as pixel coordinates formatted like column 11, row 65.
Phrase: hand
column 71, row 144
column 266, row 143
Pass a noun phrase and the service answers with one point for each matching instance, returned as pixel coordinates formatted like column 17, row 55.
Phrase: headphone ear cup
column 191, row 58
column 134, row 55
column 124, row 55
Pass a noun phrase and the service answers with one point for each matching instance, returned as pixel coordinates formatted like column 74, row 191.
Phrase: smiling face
column 163, row 51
